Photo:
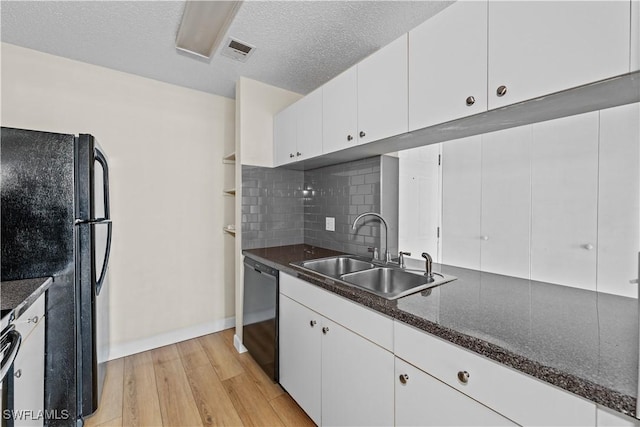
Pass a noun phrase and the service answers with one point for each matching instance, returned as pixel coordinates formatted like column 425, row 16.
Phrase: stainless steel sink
column 387, row 281
column 336, row 266
column 392, row 283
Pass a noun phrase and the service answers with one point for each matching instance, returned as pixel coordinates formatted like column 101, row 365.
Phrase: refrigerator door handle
column 100, row 158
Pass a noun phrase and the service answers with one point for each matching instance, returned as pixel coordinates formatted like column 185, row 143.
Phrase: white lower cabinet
column 336, row 376
column 347, row 365
column 300, row 355
column 422, row 400
column 519, row 397
column 28, row 368
column 357, row 386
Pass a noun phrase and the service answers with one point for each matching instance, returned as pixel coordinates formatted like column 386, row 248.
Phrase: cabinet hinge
column 438, row 232
column 439, row 159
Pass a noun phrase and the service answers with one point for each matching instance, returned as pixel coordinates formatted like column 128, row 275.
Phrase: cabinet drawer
column 30, row 318
column 367, row 323
column 523, row 399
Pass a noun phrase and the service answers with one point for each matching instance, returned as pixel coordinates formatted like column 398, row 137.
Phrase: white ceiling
column 299, row 44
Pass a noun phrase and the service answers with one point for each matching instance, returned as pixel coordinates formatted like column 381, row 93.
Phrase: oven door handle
column 11, row 342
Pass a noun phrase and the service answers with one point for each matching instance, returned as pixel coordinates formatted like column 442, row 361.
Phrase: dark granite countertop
column 582, row 341
column 16, row 296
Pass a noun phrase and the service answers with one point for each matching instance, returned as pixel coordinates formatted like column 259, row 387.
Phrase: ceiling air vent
column 237, row 50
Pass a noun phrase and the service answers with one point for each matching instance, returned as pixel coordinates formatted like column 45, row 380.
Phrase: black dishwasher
column 260, row 315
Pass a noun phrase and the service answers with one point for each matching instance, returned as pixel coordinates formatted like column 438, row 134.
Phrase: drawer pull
column 463, row 377
column 404, row 378
column 325, row 330
column 33, row 319
column 312, row 323
column 470, row 101
column 18, row 373
column 501, row 91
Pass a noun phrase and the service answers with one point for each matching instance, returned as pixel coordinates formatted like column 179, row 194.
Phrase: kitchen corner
column 18, row 295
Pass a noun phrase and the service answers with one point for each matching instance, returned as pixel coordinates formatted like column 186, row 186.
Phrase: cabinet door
column 357, row 379
column 506, row 201
column 564, row 201
column 309, row 126
column 461, row 202
column 284, row 136
column 340, row 112
column 541, row 47
column 448, row 65
column 383, row 93
column 28, row 389
column 422, row 400
column 618, row 200
column 300, row 354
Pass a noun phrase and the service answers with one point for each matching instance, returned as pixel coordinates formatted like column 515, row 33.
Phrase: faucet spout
column 387, row 254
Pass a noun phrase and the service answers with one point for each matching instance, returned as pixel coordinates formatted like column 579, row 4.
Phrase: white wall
column 169, row 276
column 256, row 104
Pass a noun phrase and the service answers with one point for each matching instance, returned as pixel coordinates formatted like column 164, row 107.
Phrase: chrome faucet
column 387, row 254
column 428, row 265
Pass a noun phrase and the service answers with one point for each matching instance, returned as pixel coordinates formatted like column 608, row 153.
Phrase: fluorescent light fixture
column 203, row 26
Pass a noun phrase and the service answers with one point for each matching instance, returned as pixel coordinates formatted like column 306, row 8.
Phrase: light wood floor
column 200, row 382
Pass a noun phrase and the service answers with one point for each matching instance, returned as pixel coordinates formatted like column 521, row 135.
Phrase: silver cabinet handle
column 463, row 376
column 33, row 319
column 485, row 238
column 312, row 323
column 349, row 138
column 588, row 246
column 291, row 156
column 501, row 91
column 633, row 281
column 18, row 373
column 404, row 378
column 325, row 330
column 470, row 101
column 362, row 134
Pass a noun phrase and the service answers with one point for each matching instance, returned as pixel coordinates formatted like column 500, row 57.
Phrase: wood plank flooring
column 200, row 382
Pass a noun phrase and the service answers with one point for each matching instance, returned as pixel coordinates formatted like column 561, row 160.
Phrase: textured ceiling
column 299, row 44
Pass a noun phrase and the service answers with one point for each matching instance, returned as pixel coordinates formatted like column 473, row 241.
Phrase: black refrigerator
column 56, row 222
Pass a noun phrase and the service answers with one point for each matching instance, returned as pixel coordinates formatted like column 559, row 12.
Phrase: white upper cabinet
column 309, row 130
column 383, row 93
column 284, row 135
column 297, row 130
column 564, row 201
column 541, row 47
column 448, row 65
column 340, row 112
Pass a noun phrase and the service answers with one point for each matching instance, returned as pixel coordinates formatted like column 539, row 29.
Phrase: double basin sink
column 382, row 279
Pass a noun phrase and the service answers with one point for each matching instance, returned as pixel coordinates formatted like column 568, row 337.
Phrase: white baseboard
column 237, row 343
column 125, row 349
